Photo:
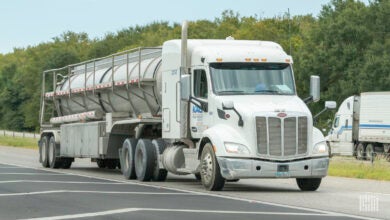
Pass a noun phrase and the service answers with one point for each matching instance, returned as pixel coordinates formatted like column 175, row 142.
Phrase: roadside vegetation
column 25, row 142
column 350, row 167
column 347, row 45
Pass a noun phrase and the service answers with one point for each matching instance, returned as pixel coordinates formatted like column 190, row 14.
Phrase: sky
column 30, row 22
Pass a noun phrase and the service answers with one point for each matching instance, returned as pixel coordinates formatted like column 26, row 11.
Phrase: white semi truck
column 220, row 109
column 361, row 126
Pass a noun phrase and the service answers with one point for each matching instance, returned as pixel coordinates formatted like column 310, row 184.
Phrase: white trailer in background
column 218, row 109
column 361, row 126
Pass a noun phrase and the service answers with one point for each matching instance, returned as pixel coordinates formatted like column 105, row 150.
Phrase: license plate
column 283, row 171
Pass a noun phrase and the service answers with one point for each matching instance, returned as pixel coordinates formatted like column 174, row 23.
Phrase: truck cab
column 243, row 102
column 340, row 135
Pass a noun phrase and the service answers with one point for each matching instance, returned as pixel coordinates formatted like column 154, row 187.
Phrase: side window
column 336, row 122
column 200, row 84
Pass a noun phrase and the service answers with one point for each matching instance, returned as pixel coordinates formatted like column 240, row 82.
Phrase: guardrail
column 18, row 134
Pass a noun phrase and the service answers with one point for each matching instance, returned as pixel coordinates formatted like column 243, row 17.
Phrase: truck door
column 200, row 117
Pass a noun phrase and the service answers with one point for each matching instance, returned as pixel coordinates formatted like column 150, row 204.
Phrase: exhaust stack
column 184, row 35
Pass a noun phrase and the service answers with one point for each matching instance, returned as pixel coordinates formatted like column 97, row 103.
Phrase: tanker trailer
column 221, row 110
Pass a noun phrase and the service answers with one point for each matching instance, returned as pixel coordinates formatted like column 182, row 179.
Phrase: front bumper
column 238, row 168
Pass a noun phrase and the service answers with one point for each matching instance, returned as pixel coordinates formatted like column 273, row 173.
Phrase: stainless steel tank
column 127, row 82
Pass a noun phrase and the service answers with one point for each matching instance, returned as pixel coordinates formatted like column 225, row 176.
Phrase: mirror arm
column 240, row 121
column 308, row 100
column 203, row 105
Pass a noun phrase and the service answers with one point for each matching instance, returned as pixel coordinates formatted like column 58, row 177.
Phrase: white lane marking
column 89, row 191
column 12, row 168
column 44, row 174
column 85, row 215
column 127, row 210
column 208, row 194
column 66, row 182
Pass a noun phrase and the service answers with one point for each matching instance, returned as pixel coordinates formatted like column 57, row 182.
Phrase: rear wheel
column 145, row 160
column 128, row 150
column 159, row 173
column 43, row 151
column 54, row 161
column 111, row 163
column 370, row 152
column 67, row 163
column 210, row 172
column 101, row 163
column 308, row 184
column 360, row 152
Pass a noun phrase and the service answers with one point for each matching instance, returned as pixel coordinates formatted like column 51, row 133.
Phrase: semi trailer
column 361, row 126
column 221, row 110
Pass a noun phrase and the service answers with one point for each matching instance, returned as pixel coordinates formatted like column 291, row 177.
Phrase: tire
column 210, row 173
column 309, row 184
column 43, row 157
column 101, row 163
column 111, row 163
column 144, row 160
column 67, row 163
column 370, row 150
column 360, row 152
column 159, row 173
column 54, row 161
column 128, row 150
column 198, row 176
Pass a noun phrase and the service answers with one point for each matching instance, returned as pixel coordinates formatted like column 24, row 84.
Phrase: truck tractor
column 221, row 110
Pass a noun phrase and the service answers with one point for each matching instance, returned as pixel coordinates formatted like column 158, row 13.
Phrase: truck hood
column 252, row 104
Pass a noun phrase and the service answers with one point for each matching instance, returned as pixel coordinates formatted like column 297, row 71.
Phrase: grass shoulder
column 350, row 167
column 25, row 142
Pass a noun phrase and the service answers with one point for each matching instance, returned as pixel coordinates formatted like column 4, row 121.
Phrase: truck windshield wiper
column 268, row 91
column 230, row 91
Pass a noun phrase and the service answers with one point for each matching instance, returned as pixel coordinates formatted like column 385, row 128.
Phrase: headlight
column 236, row 148
column 321, row 149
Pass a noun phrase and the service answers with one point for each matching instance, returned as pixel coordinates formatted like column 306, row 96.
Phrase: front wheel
column 308, row 184
column 210, row 172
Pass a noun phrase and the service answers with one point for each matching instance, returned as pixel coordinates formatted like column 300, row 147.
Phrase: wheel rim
column 360, row 151
column 43, row 152
column 207, row 168
column 369, row 151
column 51, row 153
column 127, row 162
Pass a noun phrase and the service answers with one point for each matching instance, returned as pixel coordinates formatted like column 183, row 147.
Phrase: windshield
column 252, row 78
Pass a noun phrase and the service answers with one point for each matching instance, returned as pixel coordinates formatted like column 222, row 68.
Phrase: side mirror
column 315, row 88
column 227, row 105
column 185, row 85
column 330, row 105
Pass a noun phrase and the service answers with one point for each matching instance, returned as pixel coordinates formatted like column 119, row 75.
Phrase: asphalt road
column 28, row 191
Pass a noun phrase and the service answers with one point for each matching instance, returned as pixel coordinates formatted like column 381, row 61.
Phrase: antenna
column 289, row 29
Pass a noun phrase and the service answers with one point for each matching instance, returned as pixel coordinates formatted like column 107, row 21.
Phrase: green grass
column 19, row 142
column 350, row 167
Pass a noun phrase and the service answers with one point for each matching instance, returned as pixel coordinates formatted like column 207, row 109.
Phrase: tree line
column 347, row 45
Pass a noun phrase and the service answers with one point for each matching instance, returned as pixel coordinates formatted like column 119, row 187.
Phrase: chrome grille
column 281, row 136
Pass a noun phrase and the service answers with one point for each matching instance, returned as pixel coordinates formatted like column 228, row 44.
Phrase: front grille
column 281, row 136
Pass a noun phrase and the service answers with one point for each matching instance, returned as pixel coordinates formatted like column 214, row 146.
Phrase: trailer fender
column 219, row 135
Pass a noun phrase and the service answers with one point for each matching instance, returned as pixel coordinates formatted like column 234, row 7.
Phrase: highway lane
column 86, row 191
